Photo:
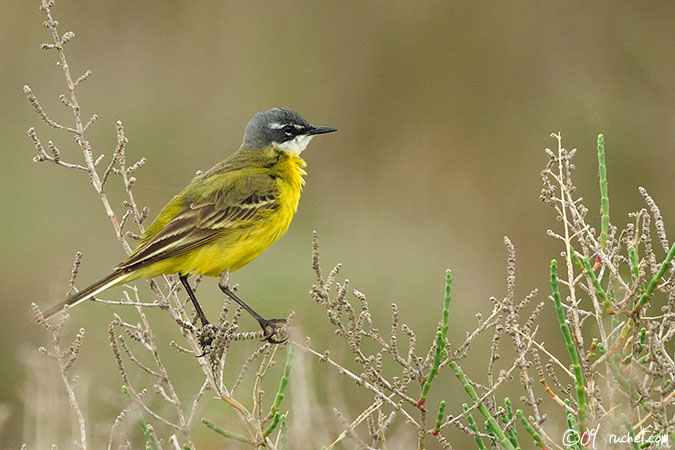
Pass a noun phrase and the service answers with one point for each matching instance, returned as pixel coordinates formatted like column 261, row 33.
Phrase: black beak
column 320, row 130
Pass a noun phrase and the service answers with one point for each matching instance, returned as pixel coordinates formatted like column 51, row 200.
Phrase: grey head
column 282, row 128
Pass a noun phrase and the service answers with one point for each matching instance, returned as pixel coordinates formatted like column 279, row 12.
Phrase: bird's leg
column 206, row 332
column 269, row 326
column 191, row 294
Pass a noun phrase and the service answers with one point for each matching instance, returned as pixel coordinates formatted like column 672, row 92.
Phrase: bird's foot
column 270, row 328
column 206, row 334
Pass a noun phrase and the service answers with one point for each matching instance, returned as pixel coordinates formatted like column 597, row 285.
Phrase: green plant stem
column 631, row 432
column 626, row 330
column 506, row 418
column 645, row 358
column 473, row 427
column 585, row 265
column 572, row 424
column 632, row 258
column 492, row 423
column 582, row 408
column 283, row 437
column 283, row 383
column 225, row 433
column 613, row 363
column 604, row 198
column 655, row 281
column 273, row 424
column 441, row 335
column 439, row 417
column 530, row 429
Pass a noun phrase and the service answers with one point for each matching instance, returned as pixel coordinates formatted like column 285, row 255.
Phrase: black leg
column 200, row 313
column 269, row 326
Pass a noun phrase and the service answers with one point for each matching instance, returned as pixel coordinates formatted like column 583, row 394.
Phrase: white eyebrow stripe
column 276, row 125
column 298, row 127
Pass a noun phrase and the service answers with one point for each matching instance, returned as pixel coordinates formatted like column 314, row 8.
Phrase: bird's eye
column 289, row 130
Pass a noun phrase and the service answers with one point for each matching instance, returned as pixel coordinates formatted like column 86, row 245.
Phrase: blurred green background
column 443, row 110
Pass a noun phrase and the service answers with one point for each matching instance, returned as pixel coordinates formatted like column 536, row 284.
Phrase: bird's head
column 282, row 128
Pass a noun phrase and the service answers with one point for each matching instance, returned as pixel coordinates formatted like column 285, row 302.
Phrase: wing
column 213, row 207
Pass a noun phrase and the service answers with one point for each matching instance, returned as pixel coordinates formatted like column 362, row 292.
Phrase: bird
column 225, row 217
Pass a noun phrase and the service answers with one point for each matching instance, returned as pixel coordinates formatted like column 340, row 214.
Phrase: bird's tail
column 90, row 291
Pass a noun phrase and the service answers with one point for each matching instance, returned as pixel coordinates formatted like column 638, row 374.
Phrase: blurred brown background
column 443, row 109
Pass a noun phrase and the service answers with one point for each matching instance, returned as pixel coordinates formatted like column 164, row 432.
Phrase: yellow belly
column 238, row 246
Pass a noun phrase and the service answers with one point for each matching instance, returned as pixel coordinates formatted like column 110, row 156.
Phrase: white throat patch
column 296, row 145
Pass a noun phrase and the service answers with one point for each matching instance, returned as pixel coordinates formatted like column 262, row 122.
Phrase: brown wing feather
column 199, row 224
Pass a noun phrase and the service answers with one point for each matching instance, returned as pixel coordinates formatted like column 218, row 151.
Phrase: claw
column 205, row 341
column 270, row 327
column 271, row 340
column 206, row 336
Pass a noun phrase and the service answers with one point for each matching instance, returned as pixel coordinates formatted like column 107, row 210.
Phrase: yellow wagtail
column 226, row 216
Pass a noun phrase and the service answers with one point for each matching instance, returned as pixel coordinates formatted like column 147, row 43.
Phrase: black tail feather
column 86, row 293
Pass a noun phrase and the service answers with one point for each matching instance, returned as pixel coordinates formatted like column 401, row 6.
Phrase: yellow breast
column 236, row 249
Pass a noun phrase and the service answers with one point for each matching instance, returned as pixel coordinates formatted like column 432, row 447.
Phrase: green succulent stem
column 473, row 427
column 283, row 434
column 655, row 280
column 653, row 283
column 582, row 408
column 441, row 335
column 585, row 265
column 439, row 417
column 632, row 258
column 225, row 433
column 283, row 383
column 631, row 432
column 273, row 424
column 508, row 417
column 530, row 429
column 604, row 198
column 492, row 424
